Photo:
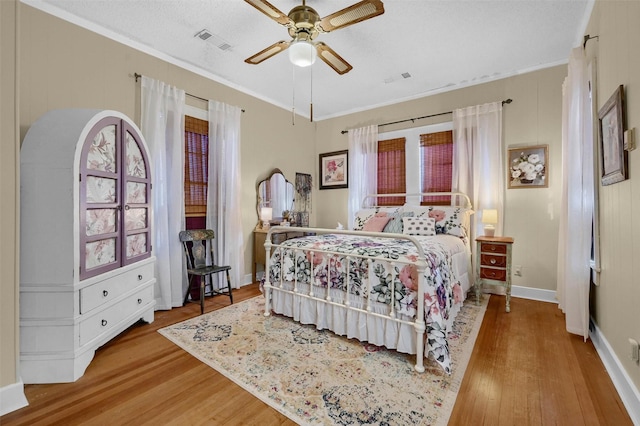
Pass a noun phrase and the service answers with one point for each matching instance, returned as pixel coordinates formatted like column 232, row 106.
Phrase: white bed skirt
column 346, row 322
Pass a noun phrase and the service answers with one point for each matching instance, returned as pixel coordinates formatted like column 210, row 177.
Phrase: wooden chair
column 198, row 249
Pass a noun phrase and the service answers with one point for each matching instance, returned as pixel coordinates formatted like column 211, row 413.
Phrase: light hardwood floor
column 525, row 370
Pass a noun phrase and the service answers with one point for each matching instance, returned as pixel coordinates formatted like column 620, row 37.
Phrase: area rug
column 318, row 378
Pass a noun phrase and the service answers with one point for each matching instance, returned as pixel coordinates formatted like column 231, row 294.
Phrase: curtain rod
column 137, row 76
column 507, row 101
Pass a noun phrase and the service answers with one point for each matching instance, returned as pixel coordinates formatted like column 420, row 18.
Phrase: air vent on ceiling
column 397, row 77
column 209, row 37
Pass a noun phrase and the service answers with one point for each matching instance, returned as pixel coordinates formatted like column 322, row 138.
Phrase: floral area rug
column 319, row 378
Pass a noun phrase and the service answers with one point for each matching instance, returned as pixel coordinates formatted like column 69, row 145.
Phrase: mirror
column 275, row 192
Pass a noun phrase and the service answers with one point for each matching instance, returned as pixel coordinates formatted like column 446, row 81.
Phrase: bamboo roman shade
column 436, row 152
column 392, row 170
column 196, row 135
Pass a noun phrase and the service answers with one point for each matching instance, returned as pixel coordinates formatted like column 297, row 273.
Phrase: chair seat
column 208, row 270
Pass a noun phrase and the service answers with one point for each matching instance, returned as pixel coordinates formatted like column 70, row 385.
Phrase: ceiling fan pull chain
column 293, row 96
column 311, row 103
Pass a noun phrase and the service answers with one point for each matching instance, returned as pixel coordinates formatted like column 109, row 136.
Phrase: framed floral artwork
column 528, row 167
column 334, row 170
column 613, row 155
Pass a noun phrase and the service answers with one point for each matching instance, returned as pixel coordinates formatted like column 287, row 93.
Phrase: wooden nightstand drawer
column 493, row 260
column 493, row 274
column 493, row 248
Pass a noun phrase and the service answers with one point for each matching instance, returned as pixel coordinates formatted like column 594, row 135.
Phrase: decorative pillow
column 449, row 220
column 395, row 224
column 376, row 223
column 365, row 214
column 424, row 226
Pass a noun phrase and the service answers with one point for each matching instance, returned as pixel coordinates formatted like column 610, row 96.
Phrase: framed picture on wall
column 528, row 166
column 334, row 170
column 612, row 152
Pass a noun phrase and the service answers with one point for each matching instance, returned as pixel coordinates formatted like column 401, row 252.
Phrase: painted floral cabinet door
column 115, row 188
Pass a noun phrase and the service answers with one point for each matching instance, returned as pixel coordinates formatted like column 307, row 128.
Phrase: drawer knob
column 139, row 301
column 140, row 277
column 493, row 261
column 105, row 293
column 104, row 322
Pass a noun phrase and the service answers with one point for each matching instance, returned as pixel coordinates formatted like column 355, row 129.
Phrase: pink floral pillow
column 376, row 223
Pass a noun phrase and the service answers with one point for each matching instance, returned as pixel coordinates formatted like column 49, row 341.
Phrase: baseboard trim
column 12, row 398
column 621, row 380
column 534, row 294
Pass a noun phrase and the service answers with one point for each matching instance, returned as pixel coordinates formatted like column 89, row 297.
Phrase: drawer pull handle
column 139, row 301
column 105, row 293
column 139, row 277
column 493, row 248
column 493, row 261
column 104, row 322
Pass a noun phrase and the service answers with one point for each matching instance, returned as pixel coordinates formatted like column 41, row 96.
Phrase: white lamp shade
column 302, row 53
column 266, row 214
column 490, row 216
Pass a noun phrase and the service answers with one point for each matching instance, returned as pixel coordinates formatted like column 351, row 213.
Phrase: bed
column 397, row 279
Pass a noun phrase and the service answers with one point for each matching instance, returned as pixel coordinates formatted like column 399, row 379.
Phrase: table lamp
column 266, row 214
column 489, row 218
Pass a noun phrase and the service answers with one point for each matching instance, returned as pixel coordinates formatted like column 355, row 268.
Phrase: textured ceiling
column 442, row 45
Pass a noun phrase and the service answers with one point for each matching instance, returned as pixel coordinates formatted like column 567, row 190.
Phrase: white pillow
column 423, row 226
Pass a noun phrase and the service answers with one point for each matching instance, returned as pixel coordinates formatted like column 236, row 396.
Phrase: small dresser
column 259, row 238
column 493, row 266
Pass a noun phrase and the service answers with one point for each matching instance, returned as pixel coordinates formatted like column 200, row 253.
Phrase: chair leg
column 186, row 296
column 202, row 284
column 229, row 286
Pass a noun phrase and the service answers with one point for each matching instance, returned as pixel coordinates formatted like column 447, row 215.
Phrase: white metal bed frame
column 418, row 322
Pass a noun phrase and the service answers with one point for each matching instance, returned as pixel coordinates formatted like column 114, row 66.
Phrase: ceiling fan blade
column 270, row 10
column 331, row 58
column 268, row 52
column 353, row 14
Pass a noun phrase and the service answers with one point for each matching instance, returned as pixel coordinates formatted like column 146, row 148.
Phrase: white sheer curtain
column 478, row 166
column 576, row 217
column 363, row 167
column 224, row 215
column 162, row 125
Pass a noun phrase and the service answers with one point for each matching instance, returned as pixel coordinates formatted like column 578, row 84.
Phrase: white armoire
column 86, row 267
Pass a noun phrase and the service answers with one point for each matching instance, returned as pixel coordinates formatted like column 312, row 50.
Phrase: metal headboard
column 462, row 199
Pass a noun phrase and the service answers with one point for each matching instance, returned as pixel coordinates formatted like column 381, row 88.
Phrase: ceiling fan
column 304, row 24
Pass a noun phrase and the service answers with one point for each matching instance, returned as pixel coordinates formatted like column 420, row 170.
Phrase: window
column 426, row 164
column 436, row 156
column 196, row 157
column 392, row 170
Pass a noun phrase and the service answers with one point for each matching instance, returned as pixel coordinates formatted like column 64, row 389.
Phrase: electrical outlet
column 635, row 350
column 517, row 270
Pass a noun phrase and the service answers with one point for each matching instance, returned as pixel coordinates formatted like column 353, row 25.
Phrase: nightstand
column 493, row 264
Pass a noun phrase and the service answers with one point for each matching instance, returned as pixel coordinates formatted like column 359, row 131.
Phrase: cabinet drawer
column 493, row 260
column 493, row 274
column 102, row 292
column 103, row 321
column 493, row 248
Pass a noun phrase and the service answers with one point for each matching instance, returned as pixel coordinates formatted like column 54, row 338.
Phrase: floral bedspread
column 442, row 289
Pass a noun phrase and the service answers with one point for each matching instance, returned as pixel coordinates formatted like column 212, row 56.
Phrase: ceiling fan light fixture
column 302, row 53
